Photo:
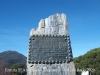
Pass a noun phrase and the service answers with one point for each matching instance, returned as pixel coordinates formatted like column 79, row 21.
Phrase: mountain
column 89, row 61
column 8, row 58
column 12, row 57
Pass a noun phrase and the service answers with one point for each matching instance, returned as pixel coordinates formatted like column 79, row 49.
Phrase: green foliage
column 90, row 61
column 18, row 69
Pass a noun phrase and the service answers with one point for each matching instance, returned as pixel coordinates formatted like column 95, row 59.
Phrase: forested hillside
column 89, row 61
column 9, row 58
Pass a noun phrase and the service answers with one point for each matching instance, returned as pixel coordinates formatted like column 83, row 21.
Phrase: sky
column 18, row 17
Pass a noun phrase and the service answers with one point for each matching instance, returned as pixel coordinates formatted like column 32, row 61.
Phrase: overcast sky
column 18, row 17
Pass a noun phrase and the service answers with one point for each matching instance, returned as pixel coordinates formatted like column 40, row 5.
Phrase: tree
column 89, row 61
column 18, row 69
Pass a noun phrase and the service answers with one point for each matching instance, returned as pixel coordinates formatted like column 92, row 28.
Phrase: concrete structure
column 50, row 50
